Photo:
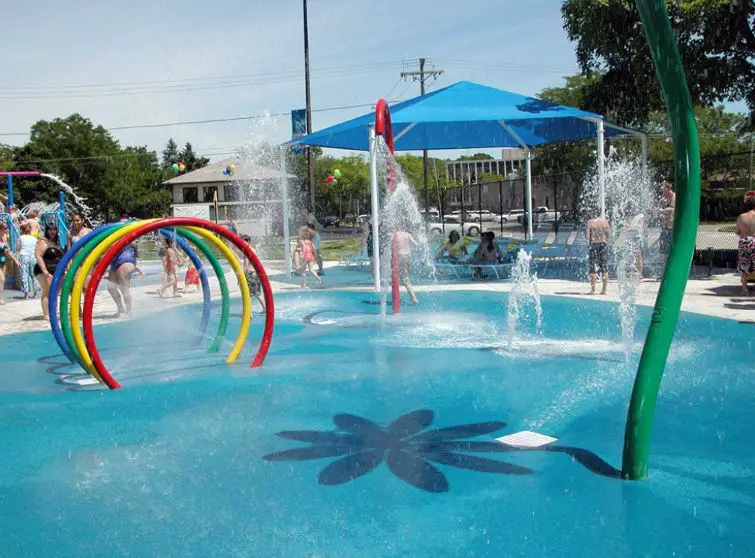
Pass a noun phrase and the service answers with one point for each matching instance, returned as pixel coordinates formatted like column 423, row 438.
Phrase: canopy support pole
column 601, row 168
column 375, row 204
column 528, row 171
column 528, row 201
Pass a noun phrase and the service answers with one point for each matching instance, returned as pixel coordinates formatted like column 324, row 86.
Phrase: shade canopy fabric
column 467, row 115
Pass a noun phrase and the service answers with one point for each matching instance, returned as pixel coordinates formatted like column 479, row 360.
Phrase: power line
column 184, row 84
column 422, row 75
column 210, row 120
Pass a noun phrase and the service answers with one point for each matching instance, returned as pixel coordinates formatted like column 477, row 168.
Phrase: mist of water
column 631, row 203
column 524, row 299
column 400, row 212
column 79, row 203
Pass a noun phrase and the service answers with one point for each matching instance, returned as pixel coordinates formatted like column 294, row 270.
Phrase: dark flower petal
column 416, row 471
column 410, row 423
column 350, row 467
column 309, row 452
column 461, row 431
column 481, row 464
column 358, row 426
column 318, row 437
column 431, row 446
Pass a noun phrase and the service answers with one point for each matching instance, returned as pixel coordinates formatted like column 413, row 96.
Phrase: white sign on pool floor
column 526, row 439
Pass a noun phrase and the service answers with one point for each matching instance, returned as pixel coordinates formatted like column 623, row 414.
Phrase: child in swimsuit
column 252, row 279
column 306, row 247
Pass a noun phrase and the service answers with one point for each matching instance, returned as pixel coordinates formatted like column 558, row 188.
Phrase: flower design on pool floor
column 405, row 446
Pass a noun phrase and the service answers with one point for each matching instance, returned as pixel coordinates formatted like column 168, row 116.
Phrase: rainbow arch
column 90, row 257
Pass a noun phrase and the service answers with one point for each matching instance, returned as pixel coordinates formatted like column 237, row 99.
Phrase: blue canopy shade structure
column 468, row 115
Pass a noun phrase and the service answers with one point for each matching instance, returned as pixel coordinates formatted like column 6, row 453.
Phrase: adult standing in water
column 48, row 255
column 78, row 229
column 26, row 247
column 119, row 278
column 746, row 249
column 598, row 233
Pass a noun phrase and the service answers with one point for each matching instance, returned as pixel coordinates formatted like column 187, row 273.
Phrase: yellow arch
column 91, row 261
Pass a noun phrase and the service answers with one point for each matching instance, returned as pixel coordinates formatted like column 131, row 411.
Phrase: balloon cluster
column 229, row 170
column 178, row 167
column 333, row 178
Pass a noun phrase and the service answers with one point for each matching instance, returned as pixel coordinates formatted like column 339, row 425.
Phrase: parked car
column 542, row 215
column 454, row 224
column 331, row 221
column 486, row 216
column 512, row 215
column 364, row 217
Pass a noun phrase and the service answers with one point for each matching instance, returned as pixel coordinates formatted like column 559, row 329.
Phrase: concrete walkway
column 714, row 296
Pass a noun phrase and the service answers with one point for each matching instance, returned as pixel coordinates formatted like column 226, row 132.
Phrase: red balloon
column 329, row 179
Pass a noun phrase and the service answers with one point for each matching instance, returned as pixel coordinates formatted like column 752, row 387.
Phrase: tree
column 133, row 185
column 716, row 43
column 476, row 157
column 170, row 154
column 191, row 159
column 72, row 148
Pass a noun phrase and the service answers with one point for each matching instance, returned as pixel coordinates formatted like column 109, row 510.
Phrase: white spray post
column 375, row 203
column 284, row 209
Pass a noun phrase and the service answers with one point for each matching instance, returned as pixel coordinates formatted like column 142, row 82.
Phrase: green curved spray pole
column 668, row 65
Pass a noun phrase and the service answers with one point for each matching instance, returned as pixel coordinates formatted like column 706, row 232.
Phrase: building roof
column 213, row 173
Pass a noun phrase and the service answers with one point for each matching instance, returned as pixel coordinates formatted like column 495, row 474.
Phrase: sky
column 141, row 62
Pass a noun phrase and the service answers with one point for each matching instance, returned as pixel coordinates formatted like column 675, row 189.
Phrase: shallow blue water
column 185, row 460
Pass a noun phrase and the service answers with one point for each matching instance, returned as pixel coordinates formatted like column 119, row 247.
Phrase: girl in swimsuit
column 48, row 255
column 306, row 246
column 170, row 272
column 252, row 280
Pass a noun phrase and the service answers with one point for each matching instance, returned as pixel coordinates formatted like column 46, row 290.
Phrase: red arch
column 384, row 127
column 169, row 222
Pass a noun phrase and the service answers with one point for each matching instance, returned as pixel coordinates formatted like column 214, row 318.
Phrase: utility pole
column 310, row 162
column 421, row 76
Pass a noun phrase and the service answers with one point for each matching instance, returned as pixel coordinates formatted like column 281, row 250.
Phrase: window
column 191, row 194
column 209, row 193
column 231, row 192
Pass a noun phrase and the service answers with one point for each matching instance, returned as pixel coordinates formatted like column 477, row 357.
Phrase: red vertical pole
column 383, row 128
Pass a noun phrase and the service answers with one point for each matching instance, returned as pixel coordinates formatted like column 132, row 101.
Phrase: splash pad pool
column 376, row 436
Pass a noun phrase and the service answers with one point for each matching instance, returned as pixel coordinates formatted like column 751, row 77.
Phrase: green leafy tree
column 716, row 42
column 72, row 148
column 476, row 157
column 189, row 158
column 133, row 185
column 6, row 156
column 170, row 154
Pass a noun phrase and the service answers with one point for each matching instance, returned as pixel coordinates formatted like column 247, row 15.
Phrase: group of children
column 172, row 260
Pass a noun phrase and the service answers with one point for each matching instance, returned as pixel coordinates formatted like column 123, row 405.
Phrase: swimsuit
column 746, row 255
column 598, row 262
column 3, row 257
column 125, row 256
column 307, row 252
column 51, row 257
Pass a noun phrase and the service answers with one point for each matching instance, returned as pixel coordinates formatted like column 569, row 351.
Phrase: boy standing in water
column 598, row 232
